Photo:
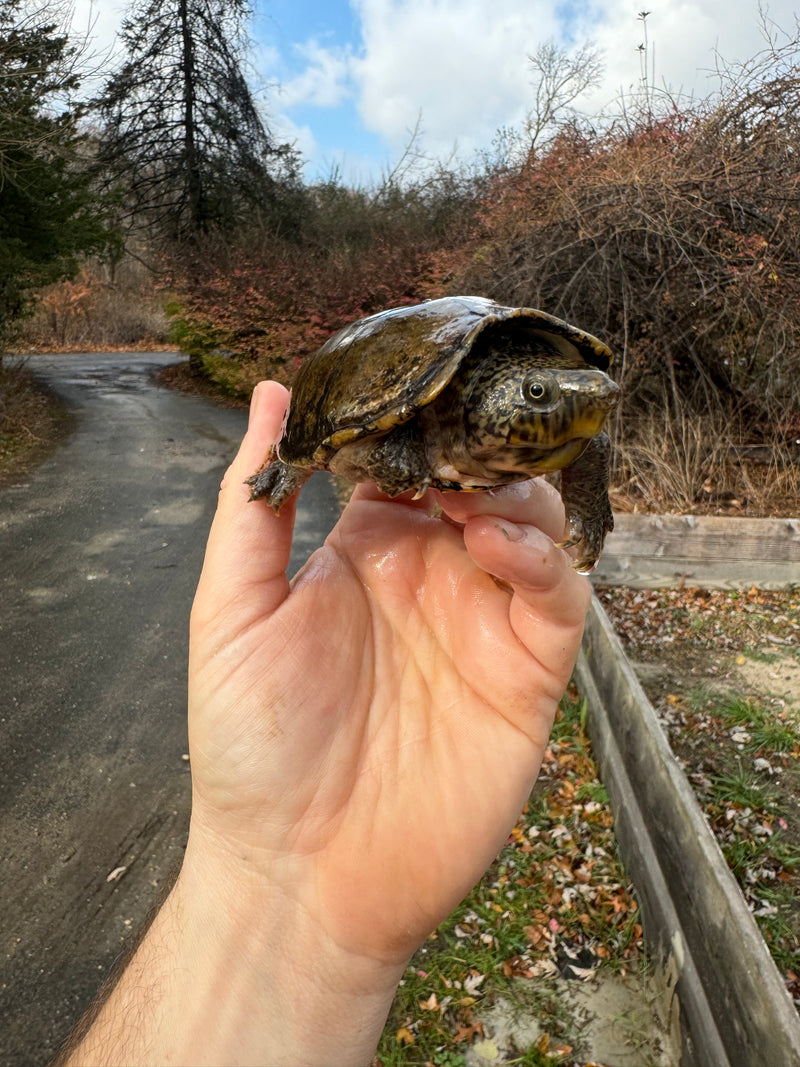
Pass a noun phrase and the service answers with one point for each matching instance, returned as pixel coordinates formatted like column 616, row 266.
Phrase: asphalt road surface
column 100, row 550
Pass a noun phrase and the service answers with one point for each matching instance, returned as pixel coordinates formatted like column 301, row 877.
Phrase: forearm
column 230, row 976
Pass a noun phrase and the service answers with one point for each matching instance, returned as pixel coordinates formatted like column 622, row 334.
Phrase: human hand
column 364, row 739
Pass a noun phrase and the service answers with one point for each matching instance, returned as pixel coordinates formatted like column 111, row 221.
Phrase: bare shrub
column 703, row 463
column 30, row 420
column 104, row 307
column 270, row 302
column 673, row 232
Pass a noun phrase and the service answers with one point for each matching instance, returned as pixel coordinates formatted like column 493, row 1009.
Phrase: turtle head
column 532, row 406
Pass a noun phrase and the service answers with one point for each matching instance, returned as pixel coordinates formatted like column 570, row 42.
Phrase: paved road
column 100, row 549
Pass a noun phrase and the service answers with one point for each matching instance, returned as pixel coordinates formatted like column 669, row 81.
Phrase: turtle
column 457, row 393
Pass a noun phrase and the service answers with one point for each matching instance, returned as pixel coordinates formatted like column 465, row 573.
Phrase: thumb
column 248, row 546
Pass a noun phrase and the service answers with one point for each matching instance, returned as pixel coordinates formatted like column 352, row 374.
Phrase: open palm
column 364, row 738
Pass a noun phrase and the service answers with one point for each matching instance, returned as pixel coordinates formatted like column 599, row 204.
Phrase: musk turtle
column 457, row 394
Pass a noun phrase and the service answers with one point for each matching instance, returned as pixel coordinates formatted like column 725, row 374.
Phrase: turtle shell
column 379, row 372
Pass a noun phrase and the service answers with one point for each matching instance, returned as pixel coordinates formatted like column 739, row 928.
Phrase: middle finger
column 535, row 502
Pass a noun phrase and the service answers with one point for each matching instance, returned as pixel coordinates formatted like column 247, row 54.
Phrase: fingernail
column 254, row 405
column 509, row 530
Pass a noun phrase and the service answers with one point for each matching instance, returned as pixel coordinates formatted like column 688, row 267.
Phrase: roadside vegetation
column 31, row 423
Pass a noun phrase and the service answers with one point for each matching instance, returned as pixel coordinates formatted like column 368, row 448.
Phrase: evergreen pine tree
column 182, row 135
column 49, row 212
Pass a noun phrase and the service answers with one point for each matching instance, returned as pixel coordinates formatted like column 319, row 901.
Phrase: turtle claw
column 276, row 481
column 583, row 565
column 588, row 538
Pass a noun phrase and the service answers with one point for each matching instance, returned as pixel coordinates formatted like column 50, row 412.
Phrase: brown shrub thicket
column 675, row 236
column 105, row 306
column 678, row 242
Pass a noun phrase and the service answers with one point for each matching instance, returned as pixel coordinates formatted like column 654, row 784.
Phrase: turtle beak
column 607, row 396
column 593, row 400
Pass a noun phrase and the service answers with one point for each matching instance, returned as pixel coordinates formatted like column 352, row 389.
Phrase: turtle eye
column 540, row 389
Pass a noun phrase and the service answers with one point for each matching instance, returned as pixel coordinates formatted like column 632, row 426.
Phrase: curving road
column 100, row 549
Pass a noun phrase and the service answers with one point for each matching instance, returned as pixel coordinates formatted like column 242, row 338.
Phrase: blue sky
column 347, row 80
column 290, row 36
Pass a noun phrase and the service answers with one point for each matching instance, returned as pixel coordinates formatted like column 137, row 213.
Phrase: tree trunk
column 194, row 183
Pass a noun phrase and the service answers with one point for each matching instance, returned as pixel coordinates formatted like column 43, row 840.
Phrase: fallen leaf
column 487, row 1050
column 404, row 1036
column 468, row 1033
column 516, row 967
column 473, row 981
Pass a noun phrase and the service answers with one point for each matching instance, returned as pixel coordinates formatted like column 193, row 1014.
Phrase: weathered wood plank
column 714, row 551
column 734, row 1007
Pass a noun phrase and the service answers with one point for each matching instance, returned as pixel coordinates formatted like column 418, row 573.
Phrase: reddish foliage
column 277, row 306
column 674, row 240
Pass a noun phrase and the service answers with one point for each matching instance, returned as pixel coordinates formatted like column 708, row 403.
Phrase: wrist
column 269, row 984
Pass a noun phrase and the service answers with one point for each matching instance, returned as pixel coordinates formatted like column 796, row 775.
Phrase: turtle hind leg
column 276, row 481
column 584, row 490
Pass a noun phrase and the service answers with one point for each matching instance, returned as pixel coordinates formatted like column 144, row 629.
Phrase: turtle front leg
column 584, row 490
column 276, row 481
column 398, row 462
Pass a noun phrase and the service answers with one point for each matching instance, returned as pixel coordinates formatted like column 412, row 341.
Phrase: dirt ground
column 623, row 1021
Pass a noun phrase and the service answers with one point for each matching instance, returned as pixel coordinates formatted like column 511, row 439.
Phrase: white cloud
column 684, row 42
column 299, row 135
column 323, row 82
column 461, row 64
column 97, row 21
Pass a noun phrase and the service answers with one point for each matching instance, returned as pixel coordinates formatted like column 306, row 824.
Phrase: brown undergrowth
column 32, row 422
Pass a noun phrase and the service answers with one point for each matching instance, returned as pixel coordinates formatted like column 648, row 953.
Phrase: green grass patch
column 761, row 729
column 741, row 787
